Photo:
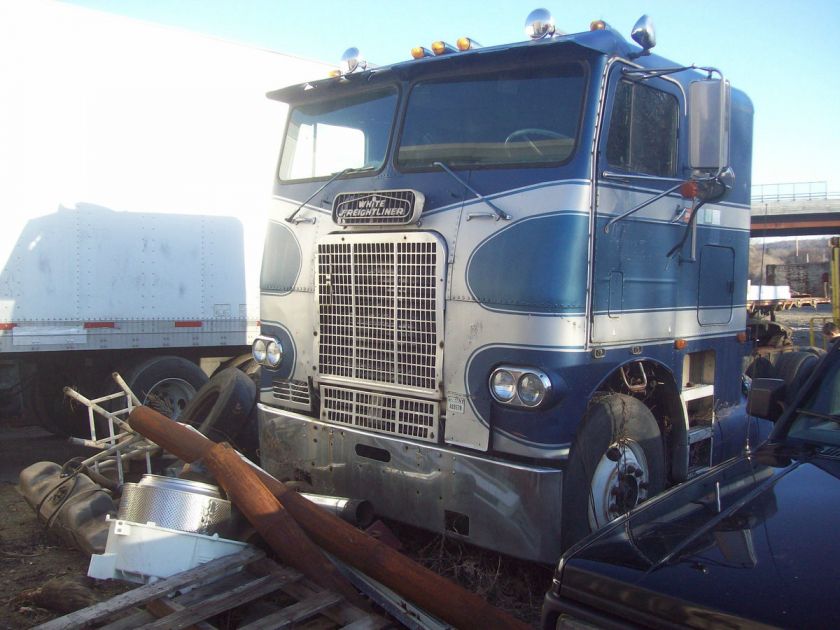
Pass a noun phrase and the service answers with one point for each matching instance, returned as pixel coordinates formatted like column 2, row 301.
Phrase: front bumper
column 508, row 507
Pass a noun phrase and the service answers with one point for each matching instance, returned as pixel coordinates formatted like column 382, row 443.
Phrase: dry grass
column 515, row 586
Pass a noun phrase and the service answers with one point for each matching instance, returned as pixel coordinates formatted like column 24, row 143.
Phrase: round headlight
column 274, row 353
column 531, row 389
column 258, row 351
column 503, row 385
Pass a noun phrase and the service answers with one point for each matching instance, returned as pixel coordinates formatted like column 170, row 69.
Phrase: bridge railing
column 792, row 191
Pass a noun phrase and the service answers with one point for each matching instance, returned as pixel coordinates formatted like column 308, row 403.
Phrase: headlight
column 503, row 385
column 531, row 389
column 259, row 350
column 274, row 353
column 520, row 386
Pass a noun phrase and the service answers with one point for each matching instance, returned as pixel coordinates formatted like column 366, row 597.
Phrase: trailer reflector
column 7, row 326
column 89, row 325
column 189, row 324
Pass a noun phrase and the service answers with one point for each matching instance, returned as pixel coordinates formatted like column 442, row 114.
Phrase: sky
column 781, row 53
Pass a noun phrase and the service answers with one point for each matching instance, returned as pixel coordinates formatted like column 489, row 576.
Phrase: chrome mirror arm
column 638, row 207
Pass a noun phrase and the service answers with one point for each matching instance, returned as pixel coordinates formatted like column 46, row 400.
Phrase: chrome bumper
column 508, row 507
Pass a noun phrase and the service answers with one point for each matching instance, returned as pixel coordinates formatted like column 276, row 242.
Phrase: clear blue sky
column 782, row 53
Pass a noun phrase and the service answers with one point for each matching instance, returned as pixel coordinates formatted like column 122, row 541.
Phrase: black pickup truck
column 752, row 542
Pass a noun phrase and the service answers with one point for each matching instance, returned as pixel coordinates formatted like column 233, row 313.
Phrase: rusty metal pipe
column 427, row 589
column 272, row 521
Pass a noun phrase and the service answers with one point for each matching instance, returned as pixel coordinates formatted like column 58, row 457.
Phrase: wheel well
column 655, row 386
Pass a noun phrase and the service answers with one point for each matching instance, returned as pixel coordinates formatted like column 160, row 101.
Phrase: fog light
column 503, row 385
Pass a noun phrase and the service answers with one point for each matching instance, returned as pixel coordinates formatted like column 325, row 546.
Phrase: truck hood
column 768, row 555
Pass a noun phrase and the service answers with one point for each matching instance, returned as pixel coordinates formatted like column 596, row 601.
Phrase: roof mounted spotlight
column 539, row 24
column 351, row 61
column 644, row 35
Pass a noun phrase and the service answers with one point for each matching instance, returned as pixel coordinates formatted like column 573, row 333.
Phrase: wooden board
column 193, row 598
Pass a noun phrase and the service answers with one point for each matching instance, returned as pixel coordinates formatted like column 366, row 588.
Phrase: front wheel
column 616, row 463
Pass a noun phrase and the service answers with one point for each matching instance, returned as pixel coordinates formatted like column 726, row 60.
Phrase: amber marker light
column 597, row 25
column 334, row 73
column 465, row 43
column 418, row 52
column 442, row 48
column 679, row 344
column 688, row 189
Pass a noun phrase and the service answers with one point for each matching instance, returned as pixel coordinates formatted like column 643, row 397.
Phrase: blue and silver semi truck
column 503, row 288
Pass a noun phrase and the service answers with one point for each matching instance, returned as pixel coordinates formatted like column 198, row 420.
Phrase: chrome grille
column 296, row 392
column 380, row 303
column 383, row 413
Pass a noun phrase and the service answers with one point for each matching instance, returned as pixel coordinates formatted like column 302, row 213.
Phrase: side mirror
column 765, row 398
column 708, row 124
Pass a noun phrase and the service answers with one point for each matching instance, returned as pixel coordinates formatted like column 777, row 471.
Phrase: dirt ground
column 29, row 557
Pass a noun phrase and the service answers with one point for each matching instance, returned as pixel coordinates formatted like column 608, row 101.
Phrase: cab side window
column 643, row 130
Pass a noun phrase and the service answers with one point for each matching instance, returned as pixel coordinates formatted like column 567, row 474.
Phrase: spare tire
column 222, row 409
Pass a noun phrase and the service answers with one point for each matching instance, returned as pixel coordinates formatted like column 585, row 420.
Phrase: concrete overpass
column 796, row 209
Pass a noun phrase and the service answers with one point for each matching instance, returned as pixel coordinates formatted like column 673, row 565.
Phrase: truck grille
column 380, row 309
column 383, row 413
column 294, row 392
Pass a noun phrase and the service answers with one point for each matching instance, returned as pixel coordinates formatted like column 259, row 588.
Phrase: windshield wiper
column 824, row 416
column 339, row 175
column 500, row 214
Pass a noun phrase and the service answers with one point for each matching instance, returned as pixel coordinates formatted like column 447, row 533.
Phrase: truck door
column 634, row 281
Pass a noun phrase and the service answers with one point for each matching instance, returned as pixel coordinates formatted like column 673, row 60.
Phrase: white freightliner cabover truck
column 132, row 160
column 503, row 288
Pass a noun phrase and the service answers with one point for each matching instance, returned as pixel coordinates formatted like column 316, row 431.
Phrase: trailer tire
column 617, row 461
column 166, row 384
column 45, row 401
column 223, row 409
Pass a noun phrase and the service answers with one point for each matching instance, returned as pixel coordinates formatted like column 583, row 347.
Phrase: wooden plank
column 164, row 606
column 210, row 606
column 148, row 592
column 301, row 611
column 341, row 614
column 130, row 622
column 366, row 623
column 221, row 585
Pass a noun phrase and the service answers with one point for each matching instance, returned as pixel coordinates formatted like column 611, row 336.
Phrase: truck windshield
column 519, row 116
column 327, row 137
column 818, row 416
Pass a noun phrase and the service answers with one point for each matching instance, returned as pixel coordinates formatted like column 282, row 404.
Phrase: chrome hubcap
column 619, row 484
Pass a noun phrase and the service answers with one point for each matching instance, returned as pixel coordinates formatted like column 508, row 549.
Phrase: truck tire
column 222, row 409
column 166, row 384
column 244, row 362
column 794, row 368
column 616, row 462
column 45, row 402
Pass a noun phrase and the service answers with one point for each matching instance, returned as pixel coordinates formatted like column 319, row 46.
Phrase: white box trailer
column 135, row 163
